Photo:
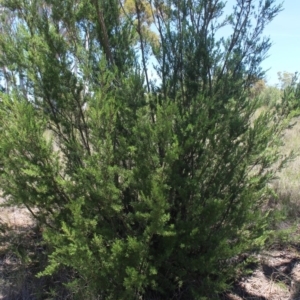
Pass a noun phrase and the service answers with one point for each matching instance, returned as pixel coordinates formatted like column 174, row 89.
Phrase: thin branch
column 105, row 39
column 139, row 31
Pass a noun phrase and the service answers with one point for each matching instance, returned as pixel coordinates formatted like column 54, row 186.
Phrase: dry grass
column 287, row 186
column 288, row 183
column 277, row 276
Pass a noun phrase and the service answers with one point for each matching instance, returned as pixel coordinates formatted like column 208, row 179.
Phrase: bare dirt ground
column 15, row 224
column 15, row 217
column 277, row 277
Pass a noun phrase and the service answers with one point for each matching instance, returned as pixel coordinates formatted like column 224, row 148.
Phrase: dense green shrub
column 146, row 189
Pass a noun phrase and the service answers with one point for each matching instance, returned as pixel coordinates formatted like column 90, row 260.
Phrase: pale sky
column 284, row 32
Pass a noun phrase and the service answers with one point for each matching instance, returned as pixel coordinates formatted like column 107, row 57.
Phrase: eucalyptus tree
column 157, row 188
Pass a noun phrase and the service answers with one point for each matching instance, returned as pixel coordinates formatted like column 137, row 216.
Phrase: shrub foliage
column 147, row 186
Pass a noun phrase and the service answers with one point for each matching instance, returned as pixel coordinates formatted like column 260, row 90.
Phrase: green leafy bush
column 145, row 189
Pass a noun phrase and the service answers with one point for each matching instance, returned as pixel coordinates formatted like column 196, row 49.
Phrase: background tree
column 285, row 79
column 257, row 88
column 269, row 95
column 156, row 189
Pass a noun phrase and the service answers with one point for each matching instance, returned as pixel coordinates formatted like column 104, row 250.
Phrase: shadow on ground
column 241, row 293
column 17, row 262
column 276, row 278
column 22, row 256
